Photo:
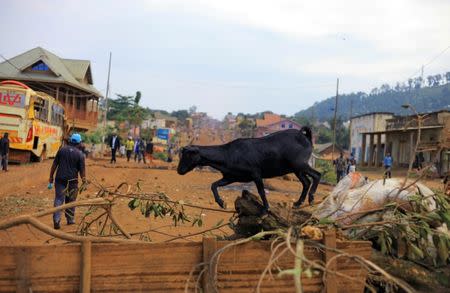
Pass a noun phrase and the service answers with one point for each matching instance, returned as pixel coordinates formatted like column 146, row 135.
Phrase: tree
column 137, row 98
column 430, row 79
column 192, row 109
column 410, row 83
column 437, row 79
column 447, row 76
column 418, row 82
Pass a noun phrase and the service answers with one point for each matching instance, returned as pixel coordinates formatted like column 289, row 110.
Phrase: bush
column 160, row 156
column 327, row 169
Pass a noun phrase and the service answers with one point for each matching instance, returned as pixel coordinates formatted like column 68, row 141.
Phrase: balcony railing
column 400, row 123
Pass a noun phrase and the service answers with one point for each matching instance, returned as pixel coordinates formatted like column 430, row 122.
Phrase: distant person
column 169, row 153
column 68, row 163
column 136, row 148
column 141, row 151
column 418, row 161
column 341, row 167
column 149, row 150
column 122, row 151
column 4, row 151
column 114, row 144
column 129, row 146
column 352, row 166
column 387, row 162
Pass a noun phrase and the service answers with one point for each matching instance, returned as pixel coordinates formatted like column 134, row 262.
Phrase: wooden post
column 329, row 241
column 85, row 276
column 23, row 268
column 209, row 248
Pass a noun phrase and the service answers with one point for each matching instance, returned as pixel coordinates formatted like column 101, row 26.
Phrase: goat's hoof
column 264, row 212
column 221, row 204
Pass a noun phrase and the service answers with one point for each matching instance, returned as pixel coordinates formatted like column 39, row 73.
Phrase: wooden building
column 68, row 80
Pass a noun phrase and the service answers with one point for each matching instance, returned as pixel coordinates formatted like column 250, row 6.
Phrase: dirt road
column 24, row 190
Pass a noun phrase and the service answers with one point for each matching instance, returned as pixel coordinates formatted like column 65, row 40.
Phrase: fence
column 166, row 267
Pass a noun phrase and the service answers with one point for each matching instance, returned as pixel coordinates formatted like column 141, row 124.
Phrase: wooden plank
column 209, row 248
column 85, row 279
column 22, row 259
column 329, row 241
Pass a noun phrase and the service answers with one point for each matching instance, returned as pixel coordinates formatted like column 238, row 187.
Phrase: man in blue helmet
column 68, row 163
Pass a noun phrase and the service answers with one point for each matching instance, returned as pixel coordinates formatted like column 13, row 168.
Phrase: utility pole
column 334, row 120
column 106, row 100
column 107, row 90
column 350, row 127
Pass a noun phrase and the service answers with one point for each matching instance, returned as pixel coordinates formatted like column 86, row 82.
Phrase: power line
column 429, row 62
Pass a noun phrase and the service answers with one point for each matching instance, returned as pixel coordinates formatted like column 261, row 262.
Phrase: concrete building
column 400, row 136
column 368, row 123
column 159, row 120
column 67, row 80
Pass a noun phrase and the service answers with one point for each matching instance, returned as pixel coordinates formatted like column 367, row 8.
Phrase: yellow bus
column 34, row 120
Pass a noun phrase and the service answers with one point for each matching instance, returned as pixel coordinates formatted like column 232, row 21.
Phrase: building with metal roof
column 68, row 80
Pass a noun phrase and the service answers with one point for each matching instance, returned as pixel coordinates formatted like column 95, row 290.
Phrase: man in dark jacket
column 114, row 144
column 4, row 151
column 68, row 163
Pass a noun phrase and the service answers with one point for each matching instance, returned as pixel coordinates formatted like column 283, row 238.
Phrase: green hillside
column 385, row 99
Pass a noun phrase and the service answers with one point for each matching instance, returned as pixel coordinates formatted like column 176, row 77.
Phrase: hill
column 386, row 99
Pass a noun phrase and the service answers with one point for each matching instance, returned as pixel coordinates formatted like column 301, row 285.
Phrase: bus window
column 57, row 115
column 41, row 109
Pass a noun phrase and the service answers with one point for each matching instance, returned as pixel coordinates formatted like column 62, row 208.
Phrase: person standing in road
column 129, row 146
column 341, row 167
column 4, row 152
column 68, row 163
column 149, row 150
column 141, row 150
column 387, row 165
column 114, row 144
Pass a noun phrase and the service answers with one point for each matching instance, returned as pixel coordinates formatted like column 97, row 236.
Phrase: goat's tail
column 307, row 132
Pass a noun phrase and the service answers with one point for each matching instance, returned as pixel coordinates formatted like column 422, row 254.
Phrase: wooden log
column 85, row 278
column 23, row 268
column 251, row 220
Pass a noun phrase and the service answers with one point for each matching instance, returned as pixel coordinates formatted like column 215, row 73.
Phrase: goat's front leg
column 262, row 193
column 219, row 183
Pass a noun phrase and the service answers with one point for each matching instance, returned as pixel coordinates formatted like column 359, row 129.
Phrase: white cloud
column 401, row 25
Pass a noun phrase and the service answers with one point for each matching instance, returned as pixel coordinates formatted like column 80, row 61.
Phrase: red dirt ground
column 24, row 190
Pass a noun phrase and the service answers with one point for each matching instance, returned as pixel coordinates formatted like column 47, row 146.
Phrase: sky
column 236, row 55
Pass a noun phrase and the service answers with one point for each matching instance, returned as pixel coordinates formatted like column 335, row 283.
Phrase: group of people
column 344, row 166
column 347, row 165
column 139, row 147
column 4, row 152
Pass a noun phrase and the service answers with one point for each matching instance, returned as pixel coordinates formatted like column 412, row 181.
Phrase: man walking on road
column 4, row 152
column 341, row 167
column 114, row 144
column 387, row 165
column 129, row 146
column 68, row 163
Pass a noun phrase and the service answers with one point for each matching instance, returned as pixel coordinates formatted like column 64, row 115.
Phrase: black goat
column 252, row 159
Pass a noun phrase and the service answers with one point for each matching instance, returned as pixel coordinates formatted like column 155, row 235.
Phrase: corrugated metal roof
column 65, row 71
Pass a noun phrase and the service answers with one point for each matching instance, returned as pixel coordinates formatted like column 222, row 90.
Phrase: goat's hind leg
column 306, row 183
column 215, row 185
column 315, row 175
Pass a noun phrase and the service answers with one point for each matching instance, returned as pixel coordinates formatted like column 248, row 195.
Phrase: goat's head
column 189, row 159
